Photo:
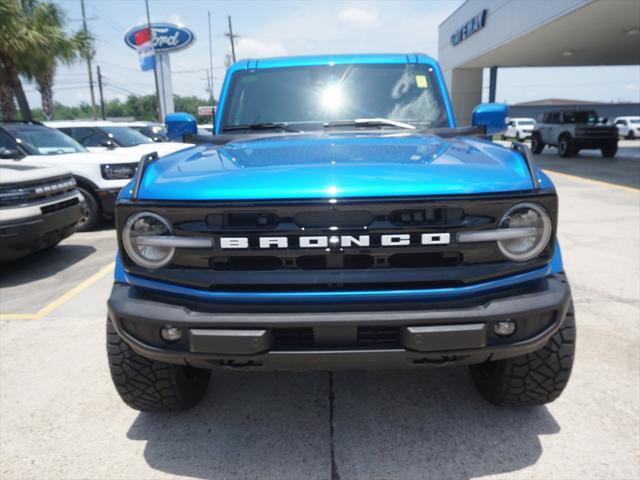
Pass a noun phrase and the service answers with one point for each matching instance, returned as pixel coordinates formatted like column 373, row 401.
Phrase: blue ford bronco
column 339, row 219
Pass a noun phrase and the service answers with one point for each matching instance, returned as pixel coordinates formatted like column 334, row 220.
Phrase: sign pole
column 155, row 71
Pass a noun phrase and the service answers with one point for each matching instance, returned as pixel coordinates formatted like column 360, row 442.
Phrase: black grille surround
column 354, row 268
column 27, row 193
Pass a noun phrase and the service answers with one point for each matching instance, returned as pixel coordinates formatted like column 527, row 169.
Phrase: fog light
column 170, row 334
column 504, row 328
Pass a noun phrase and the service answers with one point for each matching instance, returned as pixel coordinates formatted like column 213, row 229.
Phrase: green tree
column 17, row 40
column 40, row 65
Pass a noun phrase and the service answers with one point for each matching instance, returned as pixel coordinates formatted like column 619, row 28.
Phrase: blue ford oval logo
column 166, row 37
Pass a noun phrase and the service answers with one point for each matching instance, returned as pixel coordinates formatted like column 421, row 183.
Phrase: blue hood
column 336, row 165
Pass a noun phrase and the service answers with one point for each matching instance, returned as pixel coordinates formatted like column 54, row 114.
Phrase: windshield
column 635, row 121
column 125, row 136
column 580, row 117
column 41, row 140
column 311, row 96
column 525, row 122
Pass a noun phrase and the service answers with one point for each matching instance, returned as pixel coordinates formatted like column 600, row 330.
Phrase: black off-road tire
column 610, row 150
column 631, row 135
column 536, row 143
column 151, row 386
column 565, row 149
column 90, row 210
column 532, row 379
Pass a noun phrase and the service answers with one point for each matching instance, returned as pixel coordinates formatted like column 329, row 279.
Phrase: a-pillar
column 465, row 89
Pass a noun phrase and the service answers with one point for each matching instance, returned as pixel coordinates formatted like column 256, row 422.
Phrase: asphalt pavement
column 60, row 417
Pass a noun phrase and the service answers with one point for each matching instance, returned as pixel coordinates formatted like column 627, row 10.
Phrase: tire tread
column 149, row 385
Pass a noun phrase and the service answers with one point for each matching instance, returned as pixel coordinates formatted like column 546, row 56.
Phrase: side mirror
column 9, row 154
column 180, row 124
column 107, row 143
column 492, row 116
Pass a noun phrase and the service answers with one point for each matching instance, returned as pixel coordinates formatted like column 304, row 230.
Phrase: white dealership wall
column 522, row 33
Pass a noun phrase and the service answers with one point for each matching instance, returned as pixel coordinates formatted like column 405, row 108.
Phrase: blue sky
column 271, row 28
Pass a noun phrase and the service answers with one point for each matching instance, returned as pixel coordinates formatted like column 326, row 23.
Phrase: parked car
column 628, row 127
column 39, row 207
column 572, row 131
column 155, row 131
column 519, row 128
column 102, row 135
column 99, row 176
column 304, row 235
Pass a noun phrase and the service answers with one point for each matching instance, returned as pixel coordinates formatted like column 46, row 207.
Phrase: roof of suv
column 80, row 123
column 299, row 61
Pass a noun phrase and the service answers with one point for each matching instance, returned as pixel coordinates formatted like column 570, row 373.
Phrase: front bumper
column 591, row 142
column 27, row 235
column 451, row 333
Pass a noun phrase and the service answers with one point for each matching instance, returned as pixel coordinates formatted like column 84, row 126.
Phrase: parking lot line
column 590, row 180
column 47, row 309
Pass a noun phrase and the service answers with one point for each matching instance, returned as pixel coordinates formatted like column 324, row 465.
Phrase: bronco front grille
column 375, row 266
column 36, row 191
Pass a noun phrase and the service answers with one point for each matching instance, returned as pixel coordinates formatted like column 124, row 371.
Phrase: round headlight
column 139, row 226
column 532, row 217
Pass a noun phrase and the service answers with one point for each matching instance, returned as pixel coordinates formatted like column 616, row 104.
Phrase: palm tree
column 61, row 47
column 16, row 41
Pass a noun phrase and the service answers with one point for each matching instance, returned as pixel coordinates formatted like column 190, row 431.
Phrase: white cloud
column 176, row 18
column 359, row 17
column 251, row 48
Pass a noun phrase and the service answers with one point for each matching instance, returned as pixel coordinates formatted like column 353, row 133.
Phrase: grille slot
column 59, row 206
column 302, row 338
column 427, row 216
column 249, row 220
column 378, row 336
column 343, row 219
column 422, row 260
column 246, row 263
column 293, row 338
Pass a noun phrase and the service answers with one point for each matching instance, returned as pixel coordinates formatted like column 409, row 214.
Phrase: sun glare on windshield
column 331, row 98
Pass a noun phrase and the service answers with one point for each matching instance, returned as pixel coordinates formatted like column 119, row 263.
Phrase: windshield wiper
column 370, row 122
column 260, row 126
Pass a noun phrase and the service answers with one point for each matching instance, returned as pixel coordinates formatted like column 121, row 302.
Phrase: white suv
column 519, row 128
column 628, row 127
column 100, row 176
column 39, row 206
column 102, row 135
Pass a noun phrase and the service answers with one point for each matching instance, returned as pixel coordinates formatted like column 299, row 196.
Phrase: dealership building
column 498, row 34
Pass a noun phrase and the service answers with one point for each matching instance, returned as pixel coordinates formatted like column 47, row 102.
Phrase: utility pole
column 155, row 62
column 209, row 88
column 231, row 39
column 104, row 117
column 93, row 97
column 210, row 73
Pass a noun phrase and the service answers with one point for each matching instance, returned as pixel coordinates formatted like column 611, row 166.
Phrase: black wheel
column 610, row 150
column 536, row 143
column 518, row 137
column 149, row 385
column 532, row 379
column 565, row 149
column 630, row 135
column 90, row 211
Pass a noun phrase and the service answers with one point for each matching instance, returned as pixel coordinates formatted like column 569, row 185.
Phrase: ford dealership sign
column 166, row 37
